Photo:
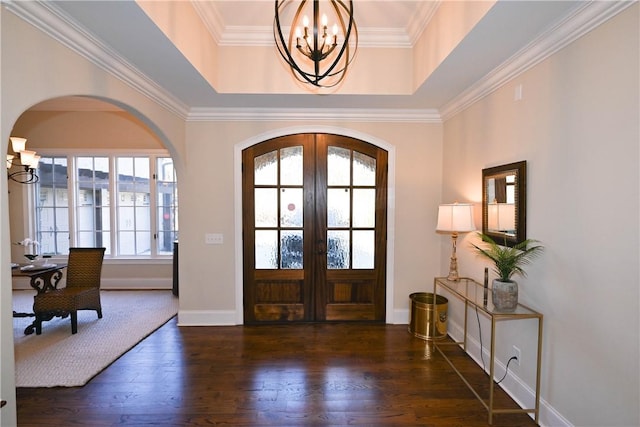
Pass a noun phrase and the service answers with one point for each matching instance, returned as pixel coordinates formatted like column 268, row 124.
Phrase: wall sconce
column 455, row 218
column 24, row 159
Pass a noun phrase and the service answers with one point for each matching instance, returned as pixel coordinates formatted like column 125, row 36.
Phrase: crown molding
column 211, row 18
column 50, row 19
column 584, row 19
column 47, row 17
column 315, row 115
column 420, row 20
column 239, row 36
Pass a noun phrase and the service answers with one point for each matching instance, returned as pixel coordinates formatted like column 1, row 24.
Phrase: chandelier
column 315, row 55
column 25, row 160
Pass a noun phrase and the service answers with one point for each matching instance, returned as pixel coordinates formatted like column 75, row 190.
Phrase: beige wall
column 577, row 128
column 211, row 275
column 48, row 70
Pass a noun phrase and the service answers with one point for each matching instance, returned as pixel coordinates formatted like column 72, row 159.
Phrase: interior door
column 314, row 230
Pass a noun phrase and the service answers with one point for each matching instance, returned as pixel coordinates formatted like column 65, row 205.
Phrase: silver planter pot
column 504, row 295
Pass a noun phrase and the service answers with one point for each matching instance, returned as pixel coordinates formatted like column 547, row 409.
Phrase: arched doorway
column 84, row 141
column 314, row 229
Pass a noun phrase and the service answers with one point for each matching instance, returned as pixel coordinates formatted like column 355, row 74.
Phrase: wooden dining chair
column 82, row 291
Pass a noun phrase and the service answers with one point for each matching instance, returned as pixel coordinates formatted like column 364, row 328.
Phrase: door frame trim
column 237, row 196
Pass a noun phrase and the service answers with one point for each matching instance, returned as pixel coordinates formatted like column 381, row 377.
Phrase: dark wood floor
column 293, row 375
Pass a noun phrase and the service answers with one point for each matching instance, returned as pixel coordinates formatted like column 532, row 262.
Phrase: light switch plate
column 213, row 239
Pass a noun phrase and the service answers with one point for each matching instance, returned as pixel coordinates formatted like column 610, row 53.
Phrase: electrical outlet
column 516, row 353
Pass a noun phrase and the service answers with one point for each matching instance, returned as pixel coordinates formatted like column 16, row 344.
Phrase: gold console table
column 472, row 293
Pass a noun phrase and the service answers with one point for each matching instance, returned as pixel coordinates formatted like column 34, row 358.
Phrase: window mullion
column 72, row 189
column 113, row 207
column 153, row 188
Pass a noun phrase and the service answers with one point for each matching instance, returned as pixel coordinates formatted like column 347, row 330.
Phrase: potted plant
column 508, row 262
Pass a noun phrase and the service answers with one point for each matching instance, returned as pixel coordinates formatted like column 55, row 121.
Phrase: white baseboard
column 136, row 283
column 512, row 384
column 400, row 317
column 207, row 318
column 125, row 283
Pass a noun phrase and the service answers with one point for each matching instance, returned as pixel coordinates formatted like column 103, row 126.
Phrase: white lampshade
column 10, row 158
column 27, row 157
column 34, row 161
column 455, row 217
column 18, row 144
column 501, row 216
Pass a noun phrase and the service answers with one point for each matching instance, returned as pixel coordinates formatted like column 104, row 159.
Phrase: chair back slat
column 85, row 267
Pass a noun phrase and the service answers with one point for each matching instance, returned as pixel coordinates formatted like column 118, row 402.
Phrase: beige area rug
column 59, row 359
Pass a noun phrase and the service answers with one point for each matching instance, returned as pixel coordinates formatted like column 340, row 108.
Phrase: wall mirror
column 504, row 203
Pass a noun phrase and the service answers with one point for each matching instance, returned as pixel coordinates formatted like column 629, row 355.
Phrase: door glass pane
column 86, row 239
column 143, row 218
column 143, row 242
column 338, row 251
column 52, row 204
column 364, row 169
column 266, row 249
column 126, row 243
column 291, row 207
column 62, row 242
column 266, row 169
column 364, row 207
column 291, row 166
column 266, row 207
column 62, row 219
column 363, row 248
column 126, row 219
column 338, row 170
column 167, row 205
column 338, row 207
column 92, row 200
column 291, row 249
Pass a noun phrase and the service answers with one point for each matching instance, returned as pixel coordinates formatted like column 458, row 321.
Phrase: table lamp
column 455, row 218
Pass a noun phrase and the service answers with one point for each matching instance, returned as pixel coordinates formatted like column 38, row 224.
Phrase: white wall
column 577, row 128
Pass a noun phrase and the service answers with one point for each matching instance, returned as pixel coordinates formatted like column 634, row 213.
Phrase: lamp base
column 453, row 265
column 453, row 270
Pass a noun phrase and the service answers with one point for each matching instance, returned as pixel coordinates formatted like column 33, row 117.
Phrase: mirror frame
column 520, row 169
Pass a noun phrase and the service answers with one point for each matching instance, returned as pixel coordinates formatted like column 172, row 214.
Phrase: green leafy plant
column 509, row 261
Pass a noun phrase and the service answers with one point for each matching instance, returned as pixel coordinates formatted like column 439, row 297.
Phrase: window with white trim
column 107, row 201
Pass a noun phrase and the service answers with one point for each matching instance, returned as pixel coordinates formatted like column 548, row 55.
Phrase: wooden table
column 43, row 278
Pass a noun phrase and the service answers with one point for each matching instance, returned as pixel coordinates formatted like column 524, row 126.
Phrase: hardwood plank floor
column 289, row 375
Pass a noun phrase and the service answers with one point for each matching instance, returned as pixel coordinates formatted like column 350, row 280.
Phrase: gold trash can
column 421, row 324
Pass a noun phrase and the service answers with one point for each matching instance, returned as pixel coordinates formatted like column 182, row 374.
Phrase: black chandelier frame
column 320, row 76
column 26, row 175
